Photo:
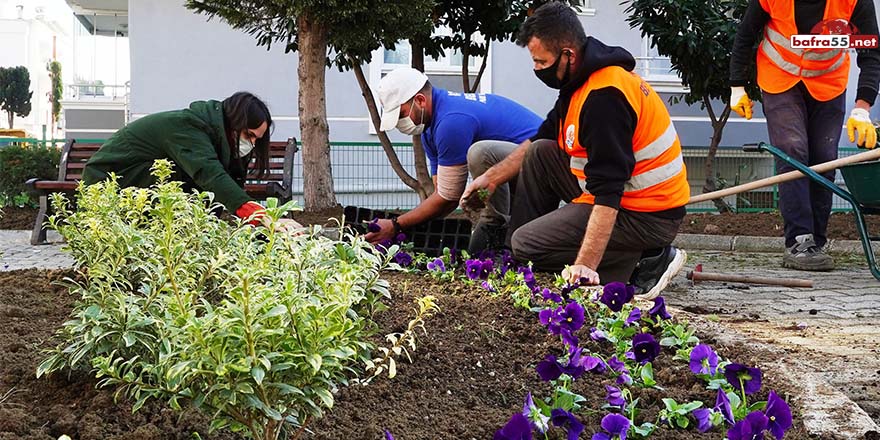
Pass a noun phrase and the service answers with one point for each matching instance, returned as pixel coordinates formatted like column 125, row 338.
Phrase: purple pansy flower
column 722, row 405
column 750, row 428
column 659, row 312
column 613, row 424
column 704, row 360
column 388, row 435
column 569, row 317
column 616, row 294
column 530, row 410
column 486, row 285
column 550, row 295
column 740, row 376
column 563, row 418
column 517, row 428
column 634, row 317
column 778, row 415
column 373, row 226
column 645, row 348
column 614, row 396
column 473, row 269
column 437, row 265
column 594, row 365
column 597, row 335
column 549, row 369
column 385, row 244
column 529, row 278
column 624, row 379
column 575, row 367
column 404, row 259
column 703, row 418
column 616, row 364
column 400, row 238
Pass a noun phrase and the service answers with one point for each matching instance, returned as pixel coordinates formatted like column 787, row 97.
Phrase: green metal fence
column 363, row 177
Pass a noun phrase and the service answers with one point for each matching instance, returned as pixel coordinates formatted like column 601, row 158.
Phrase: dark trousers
column 550, row 236
column 809, row 131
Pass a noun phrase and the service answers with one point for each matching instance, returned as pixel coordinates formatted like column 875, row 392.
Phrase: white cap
column 395, row 89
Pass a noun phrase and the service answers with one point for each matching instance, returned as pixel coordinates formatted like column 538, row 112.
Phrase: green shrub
column 253, row 326
column 18, row 163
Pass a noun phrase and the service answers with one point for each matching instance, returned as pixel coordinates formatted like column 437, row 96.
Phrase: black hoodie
column 607, row 124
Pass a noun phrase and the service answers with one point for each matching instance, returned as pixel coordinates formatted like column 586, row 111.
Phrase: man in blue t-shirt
column 462, row 133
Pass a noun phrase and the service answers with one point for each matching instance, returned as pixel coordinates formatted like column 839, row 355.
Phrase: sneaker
column 654, row 273
column 805, row 255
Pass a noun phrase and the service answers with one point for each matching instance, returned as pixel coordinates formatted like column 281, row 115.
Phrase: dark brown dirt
column 17, row 218
column 324, row 217
column 31, row 308
column 842, row 225
column 469, row 374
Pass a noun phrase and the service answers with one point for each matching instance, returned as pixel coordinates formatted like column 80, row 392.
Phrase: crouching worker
column 463, row 133
column 607, row 149
column 210, row 143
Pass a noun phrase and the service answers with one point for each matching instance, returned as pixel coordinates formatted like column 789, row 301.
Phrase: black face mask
column 547, row 75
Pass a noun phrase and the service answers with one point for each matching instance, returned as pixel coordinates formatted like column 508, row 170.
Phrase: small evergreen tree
column 15, row 94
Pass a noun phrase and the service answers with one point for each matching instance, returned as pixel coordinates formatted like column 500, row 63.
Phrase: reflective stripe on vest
column 792, row 68
column 649, row 178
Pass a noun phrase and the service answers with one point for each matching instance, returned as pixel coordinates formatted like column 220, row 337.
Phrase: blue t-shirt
column 461, row 119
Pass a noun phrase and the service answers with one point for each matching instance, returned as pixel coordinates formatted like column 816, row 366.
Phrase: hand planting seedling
column 475, row 203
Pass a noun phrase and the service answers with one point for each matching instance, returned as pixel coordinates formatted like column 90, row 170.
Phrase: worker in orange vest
column 608, row 149
column 804, row 92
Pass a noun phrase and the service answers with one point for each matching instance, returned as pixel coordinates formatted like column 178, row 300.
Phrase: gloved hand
column 251, row 210
column 860, row 129
column 740, row 102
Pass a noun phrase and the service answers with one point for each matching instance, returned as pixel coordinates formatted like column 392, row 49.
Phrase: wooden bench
column 74, row 155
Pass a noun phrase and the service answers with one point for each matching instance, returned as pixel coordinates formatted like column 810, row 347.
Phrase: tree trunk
column 465, row 73
column 317, row 173
column 11, row 117
column 420, row 160
column 479, row 77
column 398, row 168
column 717, row 131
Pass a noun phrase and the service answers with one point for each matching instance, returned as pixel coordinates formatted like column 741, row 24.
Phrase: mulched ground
column 17, row 218
column 841, row 226
column 470, row 373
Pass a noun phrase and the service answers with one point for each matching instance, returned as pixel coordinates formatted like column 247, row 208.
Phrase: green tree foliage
column 697, row 36
column 54, row 68
column 20, row 162
column 15, row 94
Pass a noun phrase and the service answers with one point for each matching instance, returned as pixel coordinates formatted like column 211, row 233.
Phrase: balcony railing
column 96, row 92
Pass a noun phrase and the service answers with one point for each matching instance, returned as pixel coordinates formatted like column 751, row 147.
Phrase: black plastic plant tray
column 429, row 238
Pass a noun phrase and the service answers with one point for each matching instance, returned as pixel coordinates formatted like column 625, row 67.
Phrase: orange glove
column 251, row 210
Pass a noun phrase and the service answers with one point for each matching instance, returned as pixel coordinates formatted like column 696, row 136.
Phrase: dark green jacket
column 194, row 139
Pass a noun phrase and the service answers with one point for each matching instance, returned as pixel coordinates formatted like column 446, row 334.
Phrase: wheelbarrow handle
column 753, row 147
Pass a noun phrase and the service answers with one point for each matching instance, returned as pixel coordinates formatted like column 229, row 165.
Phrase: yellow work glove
column 740, row 102
column 860, row 129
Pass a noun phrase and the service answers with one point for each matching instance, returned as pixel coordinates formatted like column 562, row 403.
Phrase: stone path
column 16, row 253
column 832, row 326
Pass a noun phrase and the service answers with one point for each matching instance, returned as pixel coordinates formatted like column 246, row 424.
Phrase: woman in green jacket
column 210, row 143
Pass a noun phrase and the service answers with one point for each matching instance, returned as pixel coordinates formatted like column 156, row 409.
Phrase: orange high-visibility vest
column 780, row 67
column 659, row 179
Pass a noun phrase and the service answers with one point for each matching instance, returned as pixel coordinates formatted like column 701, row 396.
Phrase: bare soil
column 17, row 218
column 841, row 226
column 469, row 374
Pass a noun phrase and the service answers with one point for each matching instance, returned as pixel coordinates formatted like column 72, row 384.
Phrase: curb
column 745, row 243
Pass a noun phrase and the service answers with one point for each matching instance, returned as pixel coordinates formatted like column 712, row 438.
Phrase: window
column 449, row 62
column 656, row 69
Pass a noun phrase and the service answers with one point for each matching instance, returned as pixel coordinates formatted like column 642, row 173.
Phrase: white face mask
column 245, row 146
column 407, row 126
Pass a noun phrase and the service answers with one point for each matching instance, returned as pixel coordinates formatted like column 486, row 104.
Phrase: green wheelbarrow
column 863, row 189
